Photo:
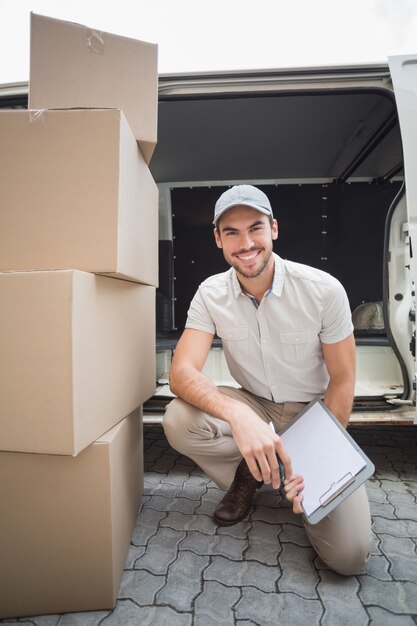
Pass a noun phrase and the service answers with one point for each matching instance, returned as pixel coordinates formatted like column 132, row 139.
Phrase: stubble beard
column 242, row 272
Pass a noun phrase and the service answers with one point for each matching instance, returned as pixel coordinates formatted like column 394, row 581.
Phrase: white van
column 334, row 148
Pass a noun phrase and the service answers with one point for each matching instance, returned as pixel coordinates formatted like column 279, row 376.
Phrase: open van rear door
column 404, row 77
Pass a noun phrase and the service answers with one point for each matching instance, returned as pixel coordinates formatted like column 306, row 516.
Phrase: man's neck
column 258, row 286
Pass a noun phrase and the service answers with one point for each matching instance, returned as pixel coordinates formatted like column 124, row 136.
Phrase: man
column 287, row 336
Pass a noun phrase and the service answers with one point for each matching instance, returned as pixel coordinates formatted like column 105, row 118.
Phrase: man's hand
column 293, row 487
column 259, row 446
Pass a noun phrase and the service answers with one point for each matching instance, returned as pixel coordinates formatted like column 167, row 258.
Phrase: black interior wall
column 339, row 229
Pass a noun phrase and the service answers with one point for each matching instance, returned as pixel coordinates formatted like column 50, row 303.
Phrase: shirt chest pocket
column 235, row 341
column 299, row 344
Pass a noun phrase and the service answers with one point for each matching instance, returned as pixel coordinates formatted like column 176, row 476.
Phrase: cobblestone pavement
column 183, row 570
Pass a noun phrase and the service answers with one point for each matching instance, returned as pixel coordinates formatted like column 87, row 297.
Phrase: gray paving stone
column 375, row 543
column 394, row 486
column 167, row 461
column 161, row 551
column 196, row 480
column 91, row 618
column 154, row 478
column 239, row 531
column 146, row 525
column 402, row 555
column 378, row 566
column 140, row 586
column 375, row 493
column 127, row 613
column 293, row 534
column 239, row 573
column 215, row 605
column 161, row 503
column 134, row 553
column 209, row 545
column 383, row 509
column 387, row 474
column 279, row 515
column 379, row 617
column 162, row 489
column 178, row 475
column 39, row 620
column 412, row 488
column 264, row 545
column 339, row 596
column 405, row 511
column 396, row 597
column 271, row 609
column 298, row 573
column 406, row 498
column 183, row 581
column 396, row 528
column 209, row 501
column 182, row 521
column 192, row 492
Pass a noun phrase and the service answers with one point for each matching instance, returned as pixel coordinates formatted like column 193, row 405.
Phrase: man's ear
column 217, row 238
column 274, row 229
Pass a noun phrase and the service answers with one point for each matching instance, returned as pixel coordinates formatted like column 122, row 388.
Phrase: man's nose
column 245, row 241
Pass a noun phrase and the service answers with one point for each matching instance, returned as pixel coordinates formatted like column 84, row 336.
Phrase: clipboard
column 331, row 462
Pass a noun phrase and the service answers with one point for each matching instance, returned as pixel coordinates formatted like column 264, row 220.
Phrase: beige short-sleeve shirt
column 273, row 348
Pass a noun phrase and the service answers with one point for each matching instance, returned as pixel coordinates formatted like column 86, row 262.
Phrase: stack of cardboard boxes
column 78, row 271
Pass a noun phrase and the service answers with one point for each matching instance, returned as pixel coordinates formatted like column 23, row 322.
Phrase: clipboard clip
column 336, row 488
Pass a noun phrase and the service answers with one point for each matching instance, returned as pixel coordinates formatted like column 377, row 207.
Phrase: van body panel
column 404, row 76
column 326, row 145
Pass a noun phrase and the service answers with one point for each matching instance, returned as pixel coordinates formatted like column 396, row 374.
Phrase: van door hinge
column 413, row 344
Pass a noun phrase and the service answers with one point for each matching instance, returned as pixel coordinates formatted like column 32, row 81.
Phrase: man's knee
column 343, row 539
column 174, row 421
column 350, row 559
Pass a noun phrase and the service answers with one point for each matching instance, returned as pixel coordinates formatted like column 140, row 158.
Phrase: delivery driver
column 287, row 335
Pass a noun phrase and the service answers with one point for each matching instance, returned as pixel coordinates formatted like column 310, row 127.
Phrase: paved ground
column 184, row 570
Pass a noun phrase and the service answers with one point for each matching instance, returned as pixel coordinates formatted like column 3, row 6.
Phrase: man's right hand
column 259, row 446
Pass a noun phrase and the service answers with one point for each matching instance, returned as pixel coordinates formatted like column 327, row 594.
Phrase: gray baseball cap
column 246, row 195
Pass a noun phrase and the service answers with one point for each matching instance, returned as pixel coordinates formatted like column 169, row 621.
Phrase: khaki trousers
column 342, row 539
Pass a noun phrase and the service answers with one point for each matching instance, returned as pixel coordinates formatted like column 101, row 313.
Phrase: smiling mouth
column 247, row 257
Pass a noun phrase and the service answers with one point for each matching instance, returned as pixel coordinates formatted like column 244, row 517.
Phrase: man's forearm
column 198, row 390
column 339, row 400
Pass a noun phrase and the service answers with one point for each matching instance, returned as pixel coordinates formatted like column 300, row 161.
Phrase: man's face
column 245, row 236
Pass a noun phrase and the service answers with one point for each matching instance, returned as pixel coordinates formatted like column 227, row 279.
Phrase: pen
column 280, row 465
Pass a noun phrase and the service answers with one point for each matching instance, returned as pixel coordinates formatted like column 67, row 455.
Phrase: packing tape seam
column 95, row 42
column 37, row 116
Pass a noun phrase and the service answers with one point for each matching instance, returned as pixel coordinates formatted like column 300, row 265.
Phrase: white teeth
column 247, row 257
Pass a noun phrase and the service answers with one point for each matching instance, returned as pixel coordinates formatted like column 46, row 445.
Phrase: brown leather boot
column 238, row 500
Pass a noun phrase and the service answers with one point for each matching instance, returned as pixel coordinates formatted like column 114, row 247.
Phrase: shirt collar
column 277, row 283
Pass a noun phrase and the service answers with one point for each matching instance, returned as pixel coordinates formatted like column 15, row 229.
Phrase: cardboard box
column 66, row 524
column 73, row 66
column 77, row 354
column 76, row 193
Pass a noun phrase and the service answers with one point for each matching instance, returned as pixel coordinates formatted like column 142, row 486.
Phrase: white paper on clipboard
column 322, row 454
